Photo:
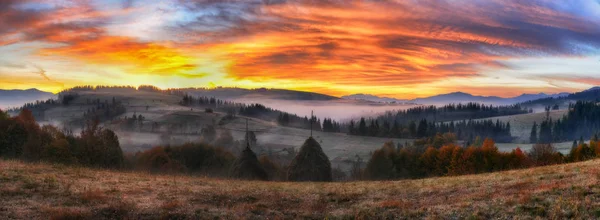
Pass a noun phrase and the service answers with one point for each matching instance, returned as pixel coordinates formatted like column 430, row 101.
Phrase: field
column 34, row 191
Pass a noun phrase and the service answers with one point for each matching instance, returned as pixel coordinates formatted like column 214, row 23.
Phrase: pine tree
column 362, row 127
column 533, row 136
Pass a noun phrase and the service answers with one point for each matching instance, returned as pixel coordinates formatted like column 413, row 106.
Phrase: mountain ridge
column 18, row 97
column 457, row 97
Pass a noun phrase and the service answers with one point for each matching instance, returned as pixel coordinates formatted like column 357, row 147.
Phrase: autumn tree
column 32, row 148
column 381, row 164
column 429, row 161
column 544, row 154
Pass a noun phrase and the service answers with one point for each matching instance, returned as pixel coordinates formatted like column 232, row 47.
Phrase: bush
column 194, row 158
column 545, row 154
column 274, row 171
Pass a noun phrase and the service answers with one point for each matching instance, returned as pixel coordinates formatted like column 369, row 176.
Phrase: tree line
column 449, row 112
column 21, row 137
column 581, row 120
column 465, row 130
column 447, row 158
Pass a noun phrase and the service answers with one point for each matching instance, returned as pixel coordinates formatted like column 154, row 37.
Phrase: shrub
column 544, row 154
column 196, row 158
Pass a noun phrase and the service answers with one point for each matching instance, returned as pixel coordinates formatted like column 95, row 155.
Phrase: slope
column 34, row 191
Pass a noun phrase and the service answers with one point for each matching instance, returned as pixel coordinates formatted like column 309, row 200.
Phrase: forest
column 581, row 121
column 443, row 157
column 450, row 112
column 422, row 121
column 465, row 130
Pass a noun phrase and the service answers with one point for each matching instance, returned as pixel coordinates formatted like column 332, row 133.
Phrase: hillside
column 262, row 93
column 183, row 124
column 521, row 124
column 33, row 191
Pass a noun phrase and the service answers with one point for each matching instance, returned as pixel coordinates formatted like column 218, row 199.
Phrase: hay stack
column 247, row 166
column 311, row 164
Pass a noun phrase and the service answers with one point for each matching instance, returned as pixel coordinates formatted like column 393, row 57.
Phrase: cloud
column 42, row 72
column 135, row 57
column 330, row 45
column 390, row 42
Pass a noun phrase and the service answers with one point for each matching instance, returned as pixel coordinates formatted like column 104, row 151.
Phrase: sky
column 395, row 48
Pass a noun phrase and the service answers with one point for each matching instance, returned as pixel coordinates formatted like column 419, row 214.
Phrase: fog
column 339, row 110
column 7, row 104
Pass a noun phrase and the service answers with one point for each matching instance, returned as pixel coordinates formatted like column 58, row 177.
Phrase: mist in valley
column 339, row 109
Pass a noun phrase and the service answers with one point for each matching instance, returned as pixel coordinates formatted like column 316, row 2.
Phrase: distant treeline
column 450, row 112
column 465, row 130
column 423, row 121
column 581, row 120
column 37, row 108
column 149, row 88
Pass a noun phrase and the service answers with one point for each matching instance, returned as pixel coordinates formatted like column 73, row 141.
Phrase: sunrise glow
column 402, row 49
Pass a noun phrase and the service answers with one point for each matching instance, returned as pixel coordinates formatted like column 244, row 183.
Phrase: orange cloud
column 134, row 56
column 391, row 43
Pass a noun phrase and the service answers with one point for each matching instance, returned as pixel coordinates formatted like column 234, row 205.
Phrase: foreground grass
column 34, row 191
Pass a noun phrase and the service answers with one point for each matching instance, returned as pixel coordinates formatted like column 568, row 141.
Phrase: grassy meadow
column 34, row 191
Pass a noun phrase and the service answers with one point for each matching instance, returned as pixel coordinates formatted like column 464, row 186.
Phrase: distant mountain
column 16, row 97
column 461, row 97
column 563, row 99
column 458, row 97
column 529, row 97
column 592, row 89
column 262, row 93
column 373, row 98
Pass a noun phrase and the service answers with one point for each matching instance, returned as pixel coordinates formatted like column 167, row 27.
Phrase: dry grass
column 42, row 191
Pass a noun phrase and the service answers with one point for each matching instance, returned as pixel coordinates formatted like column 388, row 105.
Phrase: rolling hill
column 179, row 124
column 33, row 191
column 592, row 94
column 262, row 93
